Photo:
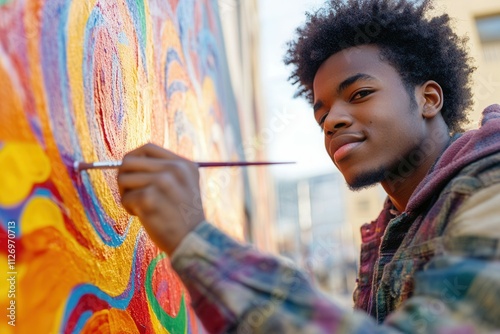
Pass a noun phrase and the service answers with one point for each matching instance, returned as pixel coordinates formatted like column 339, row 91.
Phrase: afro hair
column 420, row 48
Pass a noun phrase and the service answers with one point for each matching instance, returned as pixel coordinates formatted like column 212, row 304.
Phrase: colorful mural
column 90, row 80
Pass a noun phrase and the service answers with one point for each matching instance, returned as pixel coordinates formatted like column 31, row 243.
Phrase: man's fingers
column 132, row 181
column 154, row 151
column 142, row 160
column 129, row 202
column 133, row 164
column 162, row 190
column 140, row 201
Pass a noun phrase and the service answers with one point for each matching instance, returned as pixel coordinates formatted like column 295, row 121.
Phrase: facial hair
column 368, row 180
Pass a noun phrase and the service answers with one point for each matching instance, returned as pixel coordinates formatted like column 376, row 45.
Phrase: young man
column 389, row 87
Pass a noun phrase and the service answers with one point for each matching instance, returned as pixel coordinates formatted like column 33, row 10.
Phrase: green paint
column 175, row 325
column 142, row 17
column 3, row 2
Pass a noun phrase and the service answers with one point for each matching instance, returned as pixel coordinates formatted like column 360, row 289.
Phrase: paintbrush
column 80, row 165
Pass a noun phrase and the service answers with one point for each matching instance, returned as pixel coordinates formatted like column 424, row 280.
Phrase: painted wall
column 90, row 80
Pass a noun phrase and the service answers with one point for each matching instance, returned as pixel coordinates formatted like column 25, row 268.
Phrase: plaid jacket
column 422, row 271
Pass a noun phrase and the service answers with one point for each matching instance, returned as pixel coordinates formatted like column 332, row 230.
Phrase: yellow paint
column 48, row 245
column 79, row 14
column 25, row 164
column 110, row 322
column 136, row 92
column 59, row 173
column 41, row 212
column 57, row 263
column 159, row 329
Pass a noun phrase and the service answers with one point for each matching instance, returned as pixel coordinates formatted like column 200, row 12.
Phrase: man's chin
column 366, row 180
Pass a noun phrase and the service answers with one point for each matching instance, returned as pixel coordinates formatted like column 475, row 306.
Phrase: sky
column 291, row 133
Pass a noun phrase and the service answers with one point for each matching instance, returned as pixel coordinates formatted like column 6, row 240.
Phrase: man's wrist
column 186, row 242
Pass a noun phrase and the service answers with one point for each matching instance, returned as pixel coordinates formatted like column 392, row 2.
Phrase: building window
column 488, row 28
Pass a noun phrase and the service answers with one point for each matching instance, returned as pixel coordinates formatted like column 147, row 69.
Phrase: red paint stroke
column 88, row 302
column 138, row 306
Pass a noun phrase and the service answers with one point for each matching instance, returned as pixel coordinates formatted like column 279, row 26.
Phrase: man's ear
column 432, row 95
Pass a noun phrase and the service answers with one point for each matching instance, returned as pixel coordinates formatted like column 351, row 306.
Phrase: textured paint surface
column 91, row 80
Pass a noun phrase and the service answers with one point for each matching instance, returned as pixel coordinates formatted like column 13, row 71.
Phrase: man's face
column 370, row 122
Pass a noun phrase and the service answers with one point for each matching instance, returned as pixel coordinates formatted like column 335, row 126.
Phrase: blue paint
column 120, row 302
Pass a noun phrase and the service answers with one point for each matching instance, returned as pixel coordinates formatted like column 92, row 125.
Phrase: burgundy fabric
column 471, row 146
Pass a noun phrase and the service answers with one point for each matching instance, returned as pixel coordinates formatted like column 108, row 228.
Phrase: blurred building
column 480, row 21
column 315, row 233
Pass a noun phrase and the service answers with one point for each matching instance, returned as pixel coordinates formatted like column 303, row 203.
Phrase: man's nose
column 337, row 118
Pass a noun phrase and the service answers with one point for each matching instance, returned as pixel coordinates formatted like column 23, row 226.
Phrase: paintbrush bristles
column 80, row 165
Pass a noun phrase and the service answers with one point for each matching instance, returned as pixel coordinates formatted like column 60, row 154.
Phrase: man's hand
column 162, row 189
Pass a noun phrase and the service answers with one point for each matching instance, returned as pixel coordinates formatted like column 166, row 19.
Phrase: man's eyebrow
column 317, row 106
column 351, row 80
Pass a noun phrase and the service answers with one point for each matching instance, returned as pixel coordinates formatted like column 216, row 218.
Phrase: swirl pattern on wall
column 91, row 80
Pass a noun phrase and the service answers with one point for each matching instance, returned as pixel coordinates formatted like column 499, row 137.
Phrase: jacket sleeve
column 234, row 288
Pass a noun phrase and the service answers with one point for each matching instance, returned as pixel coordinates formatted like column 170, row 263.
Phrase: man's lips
column 342, row 145
column 343, row 151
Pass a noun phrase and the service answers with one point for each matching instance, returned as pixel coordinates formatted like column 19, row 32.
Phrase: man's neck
column 402, row 188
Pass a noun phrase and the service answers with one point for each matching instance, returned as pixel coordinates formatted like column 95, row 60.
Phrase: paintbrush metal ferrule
column 81, row 166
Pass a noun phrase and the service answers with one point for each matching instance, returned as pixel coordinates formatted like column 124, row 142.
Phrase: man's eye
column 361, row 94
